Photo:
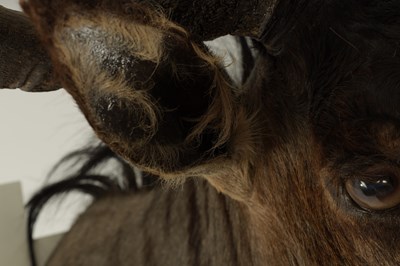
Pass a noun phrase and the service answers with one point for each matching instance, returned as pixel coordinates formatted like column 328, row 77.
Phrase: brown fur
column 280, row 152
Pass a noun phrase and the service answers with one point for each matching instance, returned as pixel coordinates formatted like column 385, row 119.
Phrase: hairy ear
column 24, row 63
column 152, row 93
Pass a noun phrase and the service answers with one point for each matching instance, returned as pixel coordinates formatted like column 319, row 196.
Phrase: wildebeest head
column 309, row 145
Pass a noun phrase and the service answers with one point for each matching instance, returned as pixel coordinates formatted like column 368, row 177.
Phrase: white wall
column 36, row 130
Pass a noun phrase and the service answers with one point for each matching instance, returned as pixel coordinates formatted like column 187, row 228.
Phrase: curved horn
column 24, row 63
column 209, row 19
column 204, row 19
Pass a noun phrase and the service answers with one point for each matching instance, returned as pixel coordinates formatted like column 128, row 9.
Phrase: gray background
column 36, row 130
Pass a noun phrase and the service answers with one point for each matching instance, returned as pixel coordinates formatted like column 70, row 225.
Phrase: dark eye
column 378, row 193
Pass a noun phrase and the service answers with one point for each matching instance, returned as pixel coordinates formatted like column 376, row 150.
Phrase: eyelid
column 369, row 171
column 371, row 177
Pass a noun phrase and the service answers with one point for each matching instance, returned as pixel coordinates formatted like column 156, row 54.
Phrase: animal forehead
column 356, row 77
column 355, row 92
column 373, row 89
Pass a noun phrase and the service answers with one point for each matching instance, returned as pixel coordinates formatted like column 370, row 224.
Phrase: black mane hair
column 85, row 180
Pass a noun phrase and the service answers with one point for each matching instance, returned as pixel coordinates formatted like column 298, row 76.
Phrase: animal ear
column 24, row 63
column 152, row 92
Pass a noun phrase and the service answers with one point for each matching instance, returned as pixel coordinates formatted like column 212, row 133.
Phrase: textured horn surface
column 24, row 63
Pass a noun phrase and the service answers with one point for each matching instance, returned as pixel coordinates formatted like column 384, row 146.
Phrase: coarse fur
column 262, row 166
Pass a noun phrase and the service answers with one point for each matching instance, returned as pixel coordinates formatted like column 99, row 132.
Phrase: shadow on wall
column 13, row 244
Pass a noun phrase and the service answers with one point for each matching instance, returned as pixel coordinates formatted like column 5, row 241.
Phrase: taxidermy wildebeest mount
column 298, row 164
